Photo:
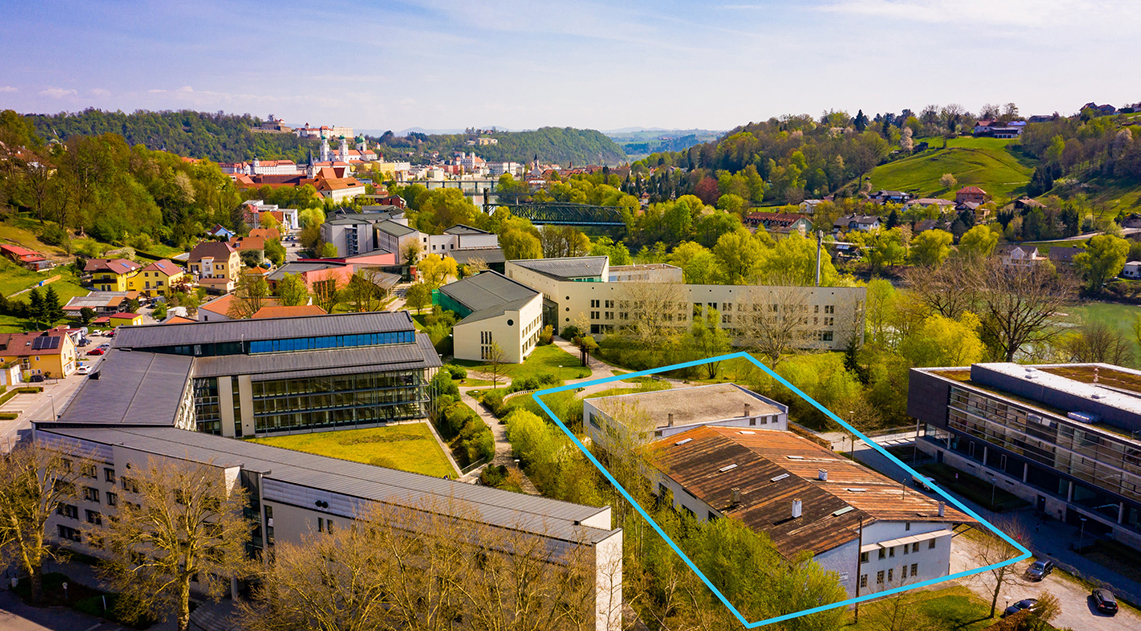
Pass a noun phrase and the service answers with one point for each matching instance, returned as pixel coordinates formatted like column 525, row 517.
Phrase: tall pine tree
column 36, row 309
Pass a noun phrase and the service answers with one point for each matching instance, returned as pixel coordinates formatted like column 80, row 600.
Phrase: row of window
column 889, row 575
column 889, row 553
column 331, row 341
column 345, row 417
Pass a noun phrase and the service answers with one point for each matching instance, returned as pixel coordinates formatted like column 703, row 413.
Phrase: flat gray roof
column 393, row 228
column 578, row 267
column 552, row 518
column 691, row 406
column 487, row 290
column 297, row 268
column 154, row 335
column 487, row 255
column 462, row 229
column 133, row 388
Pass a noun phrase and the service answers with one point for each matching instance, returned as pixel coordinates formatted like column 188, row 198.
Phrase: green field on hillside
column 1118, row 316
column 989, row 163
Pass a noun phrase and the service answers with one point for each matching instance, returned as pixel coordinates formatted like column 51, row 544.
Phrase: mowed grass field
column 1119, row 317
column 989, row 163
column 410, row 447
column 544, row 359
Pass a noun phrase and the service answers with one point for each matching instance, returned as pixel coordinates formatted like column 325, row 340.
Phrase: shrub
column 493, row 476
column 457, row 372
column 493, row 399
column 442, row 384
column 52, row 234
column 545, row 335
column 569, row 332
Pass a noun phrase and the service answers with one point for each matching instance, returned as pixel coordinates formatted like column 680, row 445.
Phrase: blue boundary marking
column 752, row 625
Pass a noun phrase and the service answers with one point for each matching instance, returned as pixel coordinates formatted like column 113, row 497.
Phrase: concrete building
column 257, row 377
column 458, row 237
column 669, row 412
column 495, row 309
column 350, row 234
column 159, row 383
column 871, row 531
column 582, row 288
column 1062, row 437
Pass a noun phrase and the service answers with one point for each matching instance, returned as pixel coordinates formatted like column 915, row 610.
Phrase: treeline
column 1082, row 148
column 103, row 187
column 218, row 137
column 560, row 145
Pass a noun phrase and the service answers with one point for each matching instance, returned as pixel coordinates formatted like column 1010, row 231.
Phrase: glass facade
column 1048, row 453
column 206, row 410
column 339, row 400
column 331, row 341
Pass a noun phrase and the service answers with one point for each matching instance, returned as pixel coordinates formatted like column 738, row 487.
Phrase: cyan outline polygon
column 752, row 625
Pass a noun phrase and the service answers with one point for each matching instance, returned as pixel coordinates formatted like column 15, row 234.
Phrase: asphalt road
column 45, row 405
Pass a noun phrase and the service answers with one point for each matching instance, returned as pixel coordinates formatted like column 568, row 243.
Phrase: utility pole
column 819, row 248
column 859, row 564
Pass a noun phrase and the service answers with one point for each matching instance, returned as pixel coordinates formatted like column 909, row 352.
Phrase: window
column 269, row 525
column 915, row 547
column 753, row 421
column 129, row 485
column 879, row 577
column 109, row 475
column 93, row 517
column 88, row 470
column 829, row 309
column 609, row 304
column 864, row 580
column 914, row 569
column 890, row 572
column 320, row 524
column 594, row 304
column 863, row 557
column 70, row 534
column 883, row 553
column 891, row 551
column 329, row 526
column 112, row 499
column 67, row 510
column 931, row 544
column 903, row 572
column 907, row 525
column 91, row 494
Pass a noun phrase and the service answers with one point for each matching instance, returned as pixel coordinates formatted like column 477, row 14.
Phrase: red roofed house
column 110, row 274
column 780, row 223
column 28, row 258
column 971, row 194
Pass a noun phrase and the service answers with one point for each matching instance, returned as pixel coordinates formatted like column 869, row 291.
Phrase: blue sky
column 603, row 65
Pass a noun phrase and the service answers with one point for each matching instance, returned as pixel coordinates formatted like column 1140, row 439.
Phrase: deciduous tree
column 185, row 523
column 251, row 294
column 435, row 271
column 291, row 291
column 978, row 242
column 990, row 550
column 418, row 296
column 1103, row 259
column 931, row 247
column 34, row 481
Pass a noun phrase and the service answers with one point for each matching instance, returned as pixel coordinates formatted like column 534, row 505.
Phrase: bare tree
column 1098, row 342
column 775, row 321
column 475, row 265
column 425, row 567
column 410, row 251
column 251, row 294
column 563, row 241
column 178, row 523
column 989, row 549
column 496, row 360
column 34, row 481
column 363, row 292
column 945, row 289
column 327, row 294
column 1017, row 304
column 651, row 313
column 897, row 613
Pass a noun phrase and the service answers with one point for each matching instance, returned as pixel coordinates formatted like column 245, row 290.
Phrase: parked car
column 1039, row 570
column 1105, row 602
column 1019, row 606
column 83, row 369
column 923, row 483
column 96, row 351
column 36, row 379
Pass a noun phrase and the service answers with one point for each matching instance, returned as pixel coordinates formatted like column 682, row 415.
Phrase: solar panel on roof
column 45, row 343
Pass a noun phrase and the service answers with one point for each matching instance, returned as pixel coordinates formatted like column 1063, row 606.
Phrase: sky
column 602, row 65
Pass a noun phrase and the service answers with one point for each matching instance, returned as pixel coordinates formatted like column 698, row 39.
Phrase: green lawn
column 989, row 163
column 544, row 359
column 1118, row 316
column 409, row 447
column 950, row 609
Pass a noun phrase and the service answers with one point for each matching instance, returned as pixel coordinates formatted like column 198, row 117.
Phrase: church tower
column 325, row 157
column 344, row 150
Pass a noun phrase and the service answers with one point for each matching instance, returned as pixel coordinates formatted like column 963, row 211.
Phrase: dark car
column 1105, row 602
column 1019, row 606
column 36, row 378
column 1039, row 570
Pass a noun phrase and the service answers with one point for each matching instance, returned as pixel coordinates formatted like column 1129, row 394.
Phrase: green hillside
column 993, row 164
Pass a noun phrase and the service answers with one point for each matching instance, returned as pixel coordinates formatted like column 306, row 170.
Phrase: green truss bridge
column 564, row 214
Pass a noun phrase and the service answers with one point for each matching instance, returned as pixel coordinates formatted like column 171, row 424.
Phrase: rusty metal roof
column 773, row 468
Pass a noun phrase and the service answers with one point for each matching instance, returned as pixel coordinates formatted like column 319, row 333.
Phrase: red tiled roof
column 118, row 266
column 207, row 249
column 164, row 266
column 124, row 315
column 20, row 344
column 972, row 189
column 276, row 311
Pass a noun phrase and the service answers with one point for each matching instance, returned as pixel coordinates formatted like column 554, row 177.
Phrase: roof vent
column 856, row 490
column 683, row 441
column 745, row 431
column 795, row 457
column 797, row 506
column 728, row 467
column 822, row 474
column 734, row 496
column 778, row 478
column 846, row 509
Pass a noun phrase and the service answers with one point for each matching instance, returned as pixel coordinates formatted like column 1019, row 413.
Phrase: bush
column 442, row 384
column 52, row 234
column 569, row 332
column 545, row 335
column 493, row 476
column 493, row 399
column 457, row 372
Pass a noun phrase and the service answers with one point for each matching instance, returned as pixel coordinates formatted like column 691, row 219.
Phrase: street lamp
column 51, row 398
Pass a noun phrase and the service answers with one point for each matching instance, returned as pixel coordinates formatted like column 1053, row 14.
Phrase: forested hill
column 218, row 137
column 561, row 145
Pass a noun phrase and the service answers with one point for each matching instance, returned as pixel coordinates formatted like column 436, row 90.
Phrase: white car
column 83, row 369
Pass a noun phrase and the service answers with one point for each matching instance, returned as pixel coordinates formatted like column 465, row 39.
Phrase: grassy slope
column 988, row 163
column 408, row 447
column 548, row 359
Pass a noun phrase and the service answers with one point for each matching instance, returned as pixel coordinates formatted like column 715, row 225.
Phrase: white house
column 495, row 310
column 1132, row 269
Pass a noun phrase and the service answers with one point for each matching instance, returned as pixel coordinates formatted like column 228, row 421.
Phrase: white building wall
column 516, row 332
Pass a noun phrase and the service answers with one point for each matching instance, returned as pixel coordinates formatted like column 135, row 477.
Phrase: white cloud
column 57, row 93
column 985, row 13
column 185, row 89
column 7, row 88
column 100, row 92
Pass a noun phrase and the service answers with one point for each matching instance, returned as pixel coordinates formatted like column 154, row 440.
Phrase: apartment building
column 1062, row 437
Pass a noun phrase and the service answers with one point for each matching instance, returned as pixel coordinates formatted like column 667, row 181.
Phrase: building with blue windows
column 243, row 378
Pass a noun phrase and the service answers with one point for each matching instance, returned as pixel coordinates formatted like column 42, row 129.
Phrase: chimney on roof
column 942, row 509
column 747, row 410
column 670, row 420
column 796, row 508
column 734, row 497
column 822, row 475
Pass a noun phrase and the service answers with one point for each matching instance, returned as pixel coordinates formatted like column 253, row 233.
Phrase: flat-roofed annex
column 690, row 406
